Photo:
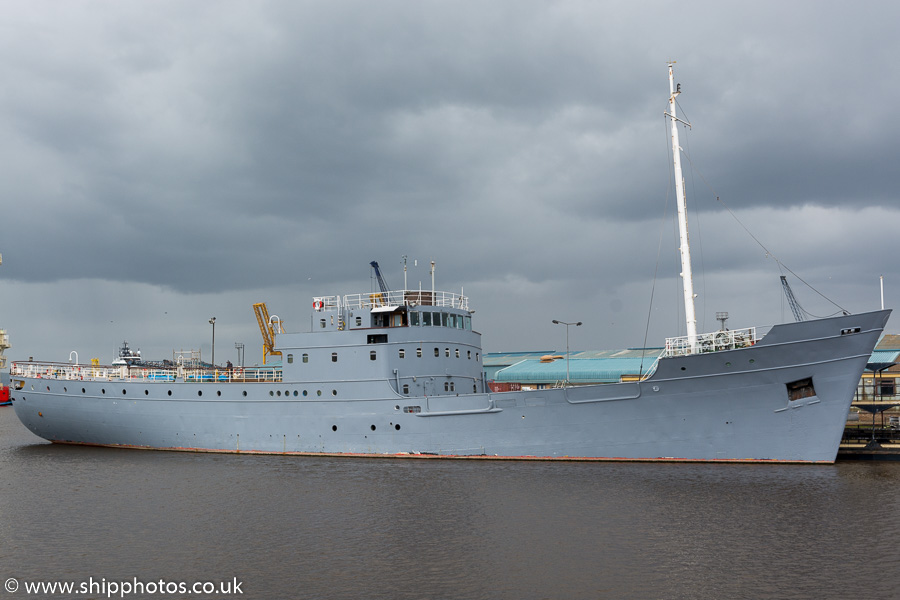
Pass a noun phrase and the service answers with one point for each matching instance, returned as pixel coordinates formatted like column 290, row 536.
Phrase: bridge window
column 445, row 319
column 414, row 318
column 426, row 319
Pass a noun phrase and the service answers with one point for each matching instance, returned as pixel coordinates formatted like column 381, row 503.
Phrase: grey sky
column 164, row 162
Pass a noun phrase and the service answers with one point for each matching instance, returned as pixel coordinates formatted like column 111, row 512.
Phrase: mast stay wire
column 658, row 254
column 769, row 254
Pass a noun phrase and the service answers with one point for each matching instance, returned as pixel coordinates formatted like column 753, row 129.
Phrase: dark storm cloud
column 213, row 147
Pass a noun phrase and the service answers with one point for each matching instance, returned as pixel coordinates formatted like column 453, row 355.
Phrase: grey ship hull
column 724, row 406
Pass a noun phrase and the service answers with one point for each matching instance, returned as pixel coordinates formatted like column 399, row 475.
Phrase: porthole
column 373, row 428
column 334, row 392
column 199, row 392
column 124, row 392
column 65, row 389
column 48, row 388
column 318, row 392
column 82, row 391
column 397, row 426
column 146, row 392
column 334, row 427
column 218, row 392
column 278, row 393
column 295, row 393
column 271, row 393
column 102, row 390
column 170, row 392
column 244, row 393
column 305, row 392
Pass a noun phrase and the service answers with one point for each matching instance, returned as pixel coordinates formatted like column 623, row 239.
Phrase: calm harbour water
column 298, row 527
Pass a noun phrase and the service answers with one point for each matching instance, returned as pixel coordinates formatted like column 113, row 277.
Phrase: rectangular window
column 457, row 353
column 447, row 352
column 359, row 321
column 418, row 353
column 412, row 409
column 372, row 355
column 306, row 358
column 437, row 351
column 322, row 323
column 290, row 358
column 402, row 353
column 406, row 388
column 334, row 357
column 377, row 338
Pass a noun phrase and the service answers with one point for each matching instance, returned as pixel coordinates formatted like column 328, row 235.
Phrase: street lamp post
column 213, row 323
column 577, row 324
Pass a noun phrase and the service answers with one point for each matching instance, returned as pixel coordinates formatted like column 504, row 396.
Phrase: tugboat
column 398, row 373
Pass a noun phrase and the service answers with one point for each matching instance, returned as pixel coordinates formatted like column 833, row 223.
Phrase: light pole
column 213, row 323
column 578, row 324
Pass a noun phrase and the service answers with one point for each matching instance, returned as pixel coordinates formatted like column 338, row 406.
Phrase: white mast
column 686, row 274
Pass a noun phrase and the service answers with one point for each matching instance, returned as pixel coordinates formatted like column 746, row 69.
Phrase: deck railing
column 73, row 372
column 716, row 341
column 392, row 298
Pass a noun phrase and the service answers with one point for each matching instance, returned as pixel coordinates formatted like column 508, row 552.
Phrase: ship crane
column 799, row 313
column 267, row 330
column 381, row 282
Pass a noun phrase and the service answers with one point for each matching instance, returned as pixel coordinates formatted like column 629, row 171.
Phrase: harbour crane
column 799, row 313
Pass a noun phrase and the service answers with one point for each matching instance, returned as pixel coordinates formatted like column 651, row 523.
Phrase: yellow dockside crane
column 267, row 330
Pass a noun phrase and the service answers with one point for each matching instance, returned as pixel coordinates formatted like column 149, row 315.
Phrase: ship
column 399, row 374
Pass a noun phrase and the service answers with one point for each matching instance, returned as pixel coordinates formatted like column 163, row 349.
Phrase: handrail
column 716, row 341
column 69, row 372
column 392, row 298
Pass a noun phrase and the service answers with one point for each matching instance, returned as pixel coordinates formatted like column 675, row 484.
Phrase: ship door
column 429, row 386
